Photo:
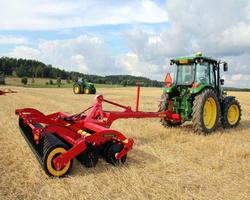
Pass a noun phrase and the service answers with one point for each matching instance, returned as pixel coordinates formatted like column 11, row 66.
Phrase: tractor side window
column 212, row 74
column 202, row 73
column 173, row 72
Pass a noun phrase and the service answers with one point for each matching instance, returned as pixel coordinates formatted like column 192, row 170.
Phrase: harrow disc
column 112, row 151
column 89, row 158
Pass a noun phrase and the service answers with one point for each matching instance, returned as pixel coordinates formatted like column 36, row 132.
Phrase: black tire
column 110, row 156
column 89, row 158
column 229, row 103
column 53, row 147
column 163, row 106
column 77, row 88
column 199, row 123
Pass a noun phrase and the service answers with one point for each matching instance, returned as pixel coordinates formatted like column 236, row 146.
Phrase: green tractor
column 83, row 87
column 196, row 94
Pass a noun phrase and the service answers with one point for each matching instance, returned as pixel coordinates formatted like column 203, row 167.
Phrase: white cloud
column 131, row 64
column 80, row 62
column 83, row 53
column 221, row 31
column 25, row 52
column 51, row 15
column 6, row 39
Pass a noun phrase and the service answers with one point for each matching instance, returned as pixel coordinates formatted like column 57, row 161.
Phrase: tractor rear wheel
column 205, row 112
column 52, row 148
column 231, row 112
column 163, row 106
column 76, row 88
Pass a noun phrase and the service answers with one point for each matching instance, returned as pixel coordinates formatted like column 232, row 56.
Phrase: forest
column 36, row 69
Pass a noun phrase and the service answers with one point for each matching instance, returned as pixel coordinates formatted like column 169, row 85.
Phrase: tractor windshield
column 187, row 74
column 184, row 74
column 202, row 73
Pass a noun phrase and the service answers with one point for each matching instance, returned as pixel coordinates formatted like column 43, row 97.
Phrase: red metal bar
column 61, row 160
column 115, row 104
column 137, row 98
column 5, row 91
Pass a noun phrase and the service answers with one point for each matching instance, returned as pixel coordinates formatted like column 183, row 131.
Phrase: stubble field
column 165, row 163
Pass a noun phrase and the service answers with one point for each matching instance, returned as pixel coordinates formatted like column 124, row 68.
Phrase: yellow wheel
column 231, row 112
column 209, row 113
column 53, row 147
column 205, row 112
column 76, row 89
column 86, row 91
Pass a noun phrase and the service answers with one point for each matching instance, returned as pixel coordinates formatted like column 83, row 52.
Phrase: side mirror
column 222, row 81
column 225, row 67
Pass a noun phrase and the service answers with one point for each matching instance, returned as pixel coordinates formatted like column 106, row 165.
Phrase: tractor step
column 37, row 149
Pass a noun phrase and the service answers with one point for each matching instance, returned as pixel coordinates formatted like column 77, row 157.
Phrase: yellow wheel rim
column 233, row 114
column 49, row 162
column 76, row 89
column 87, row 91
column 209, row 113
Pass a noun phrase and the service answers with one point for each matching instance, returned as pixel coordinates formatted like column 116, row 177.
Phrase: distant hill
column 236, row 89
column 33, row 68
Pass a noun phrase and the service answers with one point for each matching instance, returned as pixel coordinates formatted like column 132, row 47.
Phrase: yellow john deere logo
column 108, row 135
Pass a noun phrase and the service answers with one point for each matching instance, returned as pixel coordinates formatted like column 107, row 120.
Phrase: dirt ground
column 165, row 163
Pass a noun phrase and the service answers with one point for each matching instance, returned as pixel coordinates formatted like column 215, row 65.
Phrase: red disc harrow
column 58, row 138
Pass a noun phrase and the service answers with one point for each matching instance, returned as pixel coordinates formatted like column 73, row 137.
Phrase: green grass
column 41, row 83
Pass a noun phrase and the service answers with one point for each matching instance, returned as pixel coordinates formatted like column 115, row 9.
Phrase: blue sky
column 127, row 37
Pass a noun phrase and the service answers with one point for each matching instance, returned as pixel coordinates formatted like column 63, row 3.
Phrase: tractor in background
column 83, row 87
column 196, row 94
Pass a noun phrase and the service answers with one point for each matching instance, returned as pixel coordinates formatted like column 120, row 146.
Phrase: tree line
column 36, row 69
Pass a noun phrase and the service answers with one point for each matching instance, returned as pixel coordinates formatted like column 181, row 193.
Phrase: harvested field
column 166, row 163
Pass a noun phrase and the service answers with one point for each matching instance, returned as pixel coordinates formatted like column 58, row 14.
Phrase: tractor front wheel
column 205, row 112
column 87, row 90
column 231, row 112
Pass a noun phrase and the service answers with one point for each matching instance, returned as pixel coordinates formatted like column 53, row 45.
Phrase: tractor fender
column 201, row 88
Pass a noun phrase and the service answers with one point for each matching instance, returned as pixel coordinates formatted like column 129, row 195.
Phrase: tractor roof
column 187, row 59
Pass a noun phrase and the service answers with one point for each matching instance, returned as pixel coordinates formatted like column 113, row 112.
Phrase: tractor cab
column 197, row 72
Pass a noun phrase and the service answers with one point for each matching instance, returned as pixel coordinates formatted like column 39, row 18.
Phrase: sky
column 128, row 37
